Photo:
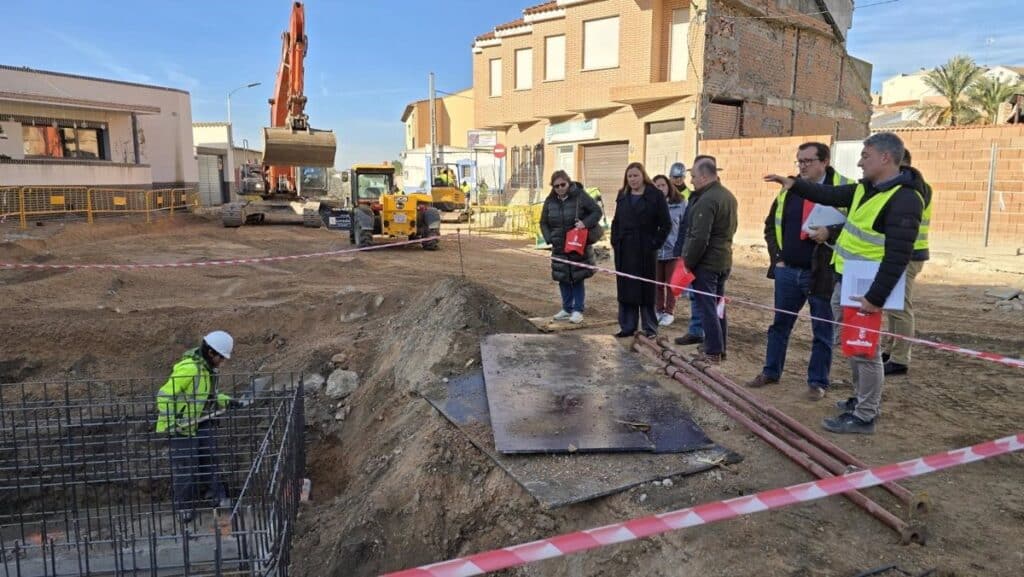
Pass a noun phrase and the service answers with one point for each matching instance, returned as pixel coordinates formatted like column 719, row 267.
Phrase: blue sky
column 369, row 58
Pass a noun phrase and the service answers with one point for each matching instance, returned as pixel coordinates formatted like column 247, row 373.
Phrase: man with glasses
column 800, row 265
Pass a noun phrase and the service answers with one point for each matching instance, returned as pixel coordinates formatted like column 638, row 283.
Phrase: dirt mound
column 394, row 476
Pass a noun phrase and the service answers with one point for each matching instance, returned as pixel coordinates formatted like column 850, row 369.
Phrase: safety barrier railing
column 512, row 219
column 47, row 203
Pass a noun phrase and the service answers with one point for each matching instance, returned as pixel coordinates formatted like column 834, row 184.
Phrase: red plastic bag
column 859, row 334
column 681, row 278
column 576, row 241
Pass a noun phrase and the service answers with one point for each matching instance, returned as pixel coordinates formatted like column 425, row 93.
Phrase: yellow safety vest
column 686, row 193
column 859, row 241
column 837, row 180
column 926, row 220
column 181, row 400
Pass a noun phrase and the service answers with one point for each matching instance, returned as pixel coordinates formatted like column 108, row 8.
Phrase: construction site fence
column 87, row 482
column 520, row 220
column 36, row 204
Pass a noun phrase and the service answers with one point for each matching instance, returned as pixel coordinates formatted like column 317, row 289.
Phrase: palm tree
column 951, row 80
column 988, row 93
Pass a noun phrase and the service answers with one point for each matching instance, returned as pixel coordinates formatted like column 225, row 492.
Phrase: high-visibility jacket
column 780, row 202
column 859, row 241
column 926, row 219
column 182, row 399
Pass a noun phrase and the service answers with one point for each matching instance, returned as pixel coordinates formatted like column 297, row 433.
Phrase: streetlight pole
column 250, row 85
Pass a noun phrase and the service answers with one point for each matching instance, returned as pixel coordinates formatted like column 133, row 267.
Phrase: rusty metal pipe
column 916, row 504
column 907, row 533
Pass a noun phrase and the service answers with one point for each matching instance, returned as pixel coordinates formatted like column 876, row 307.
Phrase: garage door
column 209, row 180
column 664, row 146
column 603, row 167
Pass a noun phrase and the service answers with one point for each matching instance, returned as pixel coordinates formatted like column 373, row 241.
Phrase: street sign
column 499, row 150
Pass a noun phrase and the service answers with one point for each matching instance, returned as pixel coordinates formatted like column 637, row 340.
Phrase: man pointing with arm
column 884, row 217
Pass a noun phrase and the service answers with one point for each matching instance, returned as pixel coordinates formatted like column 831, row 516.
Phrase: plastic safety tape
column 569, row 543
column 993, row 357
column 236, row 261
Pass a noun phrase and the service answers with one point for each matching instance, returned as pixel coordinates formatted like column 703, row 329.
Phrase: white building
column 904, row 88
column 69, row 130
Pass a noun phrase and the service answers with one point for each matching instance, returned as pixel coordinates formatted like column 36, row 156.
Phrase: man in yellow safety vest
column 882, row 225
column 896, row 352
column 183, row 407
column 802, row 270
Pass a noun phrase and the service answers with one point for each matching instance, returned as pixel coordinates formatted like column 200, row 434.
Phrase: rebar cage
column 87, row 484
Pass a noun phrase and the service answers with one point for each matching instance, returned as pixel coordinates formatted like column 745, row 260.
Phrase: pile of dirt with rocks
column 394, row 484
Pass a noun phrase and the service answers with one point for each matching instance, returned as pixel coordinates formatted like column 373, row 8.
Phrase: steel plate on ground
column 558, row 480
column 561, row 393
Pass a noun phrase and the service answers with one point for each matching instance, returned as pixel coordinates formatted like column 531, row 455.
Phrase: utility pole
column 433, row 123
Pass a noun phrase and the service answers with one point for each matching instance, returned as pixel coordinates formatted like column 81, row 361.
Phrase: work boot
column 689, row 339
column 815, row 393
column 562, row 315
column 724, row 354
column 848, row 423
column 761, row 380
column 847, row 406
column 891, row 368
column 576, row 317
column 710, row 359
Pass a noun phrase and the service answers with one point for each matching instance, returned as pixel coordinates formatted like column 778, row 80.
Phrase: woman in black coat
column 639, row 228
column 567, row 207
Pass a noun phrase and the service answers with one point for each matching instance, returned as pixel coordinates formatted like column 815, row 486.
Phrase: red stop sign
column 499, row 150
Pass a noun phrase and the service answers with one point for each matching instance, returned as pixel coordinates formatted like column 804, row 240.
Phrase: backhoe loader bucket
column 284, row 147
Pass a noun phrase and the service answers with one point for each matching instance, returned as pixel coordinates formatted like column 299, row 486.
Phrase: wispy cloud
column 906, row 36
column 179, row 78
column 102, row 58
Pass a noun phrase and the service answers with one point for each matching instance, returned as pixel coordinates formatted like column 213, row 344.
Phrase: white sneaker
column 660, row 316
column 666, row 320
column 561, row 316
column 576, row 317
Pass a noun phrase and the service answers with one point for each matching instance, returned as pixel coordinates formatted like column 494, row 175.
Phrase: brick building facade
column 590, row 85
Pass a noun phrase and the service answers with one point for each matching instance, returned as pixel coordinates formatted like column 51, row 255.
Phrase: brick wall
column 744, row 162
column 955, row 162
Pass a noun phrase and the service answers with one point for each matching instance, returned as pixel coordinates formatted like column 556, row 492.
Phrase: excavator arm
column 289, row 141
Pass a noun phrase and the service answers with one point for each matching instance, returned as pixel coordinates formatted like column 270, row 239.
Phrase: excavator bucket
column 285, row 147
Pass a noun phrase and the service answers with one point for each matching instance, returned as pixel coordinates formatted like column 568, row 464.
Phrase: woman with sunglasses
column 568, row 207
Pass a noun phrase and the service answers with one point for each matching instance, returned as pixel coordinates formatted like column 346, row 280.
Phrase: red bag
column 681, row 278
column 576, row 241
column 859, row 334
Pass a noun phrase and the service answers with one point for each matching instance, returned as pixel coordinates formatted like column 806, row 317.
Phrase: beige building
column 454, row 117
column 68, row 130
column 590, row 85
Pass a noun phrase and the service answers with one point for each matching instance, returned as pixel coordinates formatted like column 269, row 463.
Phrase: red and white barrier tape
column 235, row 261
column 993, row 357
column 569, row 543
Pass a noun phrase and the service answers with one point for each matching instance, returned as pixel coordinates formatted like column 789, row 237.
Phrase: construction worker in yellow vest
column 677, row 174
column 882, row 225
column 184, row 404
column 895, row 351
column 802, row 270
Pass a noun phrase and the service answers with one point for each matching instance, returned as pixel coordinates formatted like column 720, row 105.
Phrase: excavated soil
column 395, row 485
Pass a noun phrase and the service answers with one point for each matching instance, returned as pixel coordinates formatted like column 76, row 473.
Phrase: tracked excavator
column 296, row 157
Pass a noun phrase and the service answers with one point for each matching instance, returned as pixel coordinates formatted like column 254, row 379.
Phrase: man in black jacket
column 802, row 271
column 882, row 225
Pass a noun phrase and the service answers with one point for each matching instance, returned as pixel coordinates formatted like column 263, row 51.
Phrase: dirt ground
column 395, row 485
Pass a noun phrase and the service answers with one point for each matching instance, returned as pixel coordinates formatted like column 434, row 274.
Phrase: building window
column 524, row 69
column 679, row 45
column 514, row 181
column 63, row 142
column 601, row 43
column 496, row 77
column 554, row 58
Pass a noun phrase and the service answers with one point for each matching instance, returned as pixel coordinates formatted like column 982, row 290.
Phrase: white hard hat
column 220, row 342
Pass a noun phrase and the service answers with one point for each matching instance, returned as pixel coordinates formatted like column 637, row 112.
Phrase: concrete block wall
column 954, row 161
